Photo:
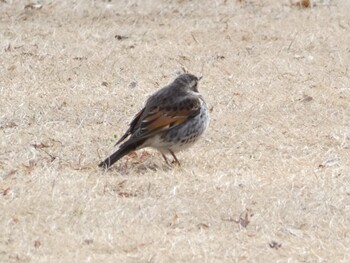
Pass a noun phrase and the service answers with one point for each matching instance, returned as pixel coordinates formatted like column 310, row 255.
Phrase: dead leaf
column 88, row 241
column 202, row 226
column 126, row 194
column 275, row 245
column 120, row 37
column 303, row 4
column 306, row 98
column 244, row 221
column 184, row 58
column 220, row 57
column 40, row 145
column 80, row 58
column 37, row 244
column 6, row 191
column 10, row 124
column 132, row 155
column 132, row 85
column 33, row 6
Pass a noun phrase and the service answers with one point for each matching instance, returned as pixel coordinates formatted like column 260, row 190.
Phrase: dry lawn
column 270, row 181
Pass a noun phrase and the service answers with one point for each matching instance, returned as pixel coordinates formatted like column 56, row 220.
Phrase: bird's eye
column 194, row 87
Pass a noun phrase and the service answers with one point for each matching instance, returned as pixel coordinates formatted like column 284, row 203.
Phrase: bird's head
column 188, row 82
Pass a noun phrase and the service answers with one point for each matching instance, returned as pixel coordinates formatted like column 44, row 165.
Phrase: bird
column 172, row 119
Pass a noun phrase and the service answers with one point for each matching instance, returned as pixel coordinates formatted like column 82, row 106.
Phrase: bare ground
column 270, row 181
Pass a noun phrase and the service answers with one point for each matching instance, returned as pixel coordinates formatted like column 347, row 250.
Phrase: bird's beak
column 200, row 78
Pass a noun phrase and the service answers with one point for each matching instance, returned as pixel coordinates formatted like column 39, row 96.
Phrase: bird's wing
column 132, row 126
column 159, row 118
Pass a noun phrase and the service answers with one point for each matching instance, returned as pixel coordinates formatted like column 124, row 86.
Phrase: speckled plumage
column 172, row 119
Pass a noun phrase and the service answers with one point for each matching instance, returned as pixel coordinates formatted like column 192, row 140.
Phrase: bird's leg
column 165, row 159
column 175, row 159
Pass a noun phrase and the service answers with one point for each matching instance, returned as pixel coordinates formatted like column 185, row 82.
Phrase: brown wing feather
column 162, row 118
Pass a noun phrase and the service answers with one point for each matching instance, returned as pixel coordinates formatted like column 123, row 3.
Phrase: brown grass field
column 269, row 181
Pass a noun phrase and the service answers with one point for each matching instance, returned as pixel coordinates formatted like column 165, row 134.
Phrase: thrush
column 172, row 119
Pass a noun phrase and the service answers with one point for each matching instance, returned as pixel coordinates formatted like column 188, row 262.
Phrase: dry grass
column 269, row 183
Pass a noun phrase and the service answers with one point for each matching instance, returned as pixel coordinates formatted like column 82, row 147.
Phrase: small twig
column 291, row 42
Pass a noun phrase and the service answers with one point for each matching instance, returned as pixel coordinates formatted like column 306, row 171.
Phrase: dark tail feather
column 124, row 149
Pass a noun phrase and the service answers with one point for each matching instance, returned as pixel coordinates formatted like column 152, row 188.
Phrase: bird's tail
column 124, row 149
